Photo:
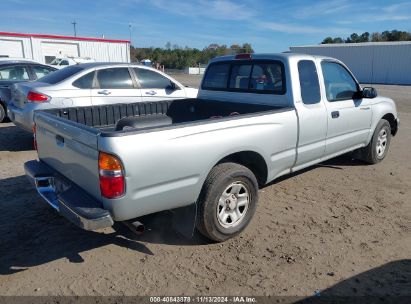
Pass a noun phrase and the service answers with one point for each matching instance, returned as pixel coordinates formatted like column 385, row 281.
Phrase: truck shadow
column 159, row 229
column 389, row 283
column 13, row 138
column 32, row 233
column 337, row 163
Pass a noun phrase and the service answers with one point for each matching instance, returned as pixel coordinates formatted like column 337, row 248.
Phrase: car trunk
column 20, row 91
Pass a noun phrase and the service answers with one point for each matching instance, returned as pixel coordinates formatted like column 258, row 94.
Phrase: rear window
column 244, row 76
column 60, row 75
column 85, row 82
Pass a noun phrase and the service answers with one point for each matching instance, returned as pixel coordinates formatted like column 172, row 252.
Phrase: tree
column 327, row 40
column 247, row 48
column 376, row 37
column 175, row 57
column 337, row 40
column 393, row 35
column 365, row 37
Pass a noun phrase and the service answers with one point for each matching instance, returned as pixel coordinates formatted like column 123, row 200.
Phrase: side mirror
column 173, row 86
column 369, row 92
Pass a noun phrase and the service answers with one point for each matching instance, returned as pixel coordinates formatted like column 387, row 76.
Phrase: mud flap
column 184, row 220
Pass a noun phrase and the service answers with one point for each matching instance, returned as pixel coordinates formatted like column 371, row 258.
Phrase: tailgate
column 69, row 148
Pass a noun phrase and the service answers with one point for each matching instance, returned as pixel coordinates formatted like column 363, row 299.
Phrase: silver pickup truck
column 257, row 117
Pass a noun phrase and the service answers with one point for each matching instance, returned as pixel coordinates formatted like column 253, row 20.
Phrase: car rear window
column 257, row 76
column 60, row 75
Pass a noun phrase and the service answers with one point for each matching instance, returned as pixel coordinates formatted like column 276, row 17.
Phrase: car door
column 157, row 87
column 312, row 116
column 348, row 116
column 115, row 85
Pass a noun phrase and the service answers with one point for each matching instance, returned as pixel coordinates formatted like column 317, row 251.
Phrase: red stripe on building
column 62, row 37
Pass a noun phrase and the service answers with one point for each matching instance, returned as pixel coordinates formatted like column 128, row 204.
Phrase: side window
column 64, row 62
column 41, row 71
column 240, row 76
column 339, row 84
column 268, row 77
column 17, row 73
column 151, row 80
column 216, row 76
column 114, row 78
column 85, row 82
column 310, row 87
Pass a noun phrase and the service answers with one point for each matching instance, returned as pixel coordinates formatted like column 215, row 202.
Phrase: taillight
column 34, row 137
column 37, row 97
column 111, row 173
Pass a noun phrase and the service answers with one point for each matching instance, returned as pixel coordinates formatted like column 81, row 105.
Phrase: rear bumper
column 20, row 117
column 67, row 198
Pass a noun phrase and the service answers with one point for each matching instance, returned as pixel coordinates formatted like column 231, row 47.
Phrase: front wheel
column 227, row 201
column 380, row 142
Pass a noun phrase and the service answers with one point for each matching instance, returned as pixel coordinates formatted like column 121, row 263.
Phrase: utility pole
column 129, row 30
column 74, row 25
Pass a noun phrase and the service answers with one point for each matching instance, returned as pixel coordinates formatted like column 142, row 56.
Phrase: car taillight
column 111, row 174
column 37, row 97
column 34, row 137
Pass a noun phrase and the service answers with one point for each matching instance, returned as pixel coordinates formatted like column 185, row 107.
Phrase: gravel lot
column 341, row 227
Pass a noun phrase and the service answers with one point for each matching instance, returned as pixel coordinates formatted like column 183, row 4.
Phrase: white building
column 44, row 48
column 371, row 62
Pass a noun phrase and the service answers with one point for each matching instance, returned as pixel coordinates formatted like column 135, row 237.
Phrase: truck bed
column 182, row 111
column 165, row 165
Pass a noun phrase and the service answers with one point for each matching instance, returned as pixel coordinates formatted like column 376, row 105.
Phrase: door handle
column 151, row 93
column 104, row 92
column 60, row 140
column 335, row 114
column 365, row 108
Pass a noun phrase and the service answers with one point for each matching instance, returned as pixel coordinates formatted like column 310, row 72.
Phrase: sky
column 270, row 26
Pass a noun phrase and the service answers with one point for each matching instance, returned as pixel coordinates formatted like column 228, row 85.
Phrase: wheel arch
column 392, row 121
column 251, row 160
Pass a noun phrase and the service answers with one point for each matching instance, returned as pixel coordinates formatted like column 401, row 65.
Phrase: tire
column 227, row 201
column 380, row 142
column 2, row 113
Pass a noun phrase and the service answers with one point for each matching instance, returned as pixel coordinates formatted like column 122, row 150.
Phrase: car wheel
column 227, row 202
column 2, row 113
column 378, row 147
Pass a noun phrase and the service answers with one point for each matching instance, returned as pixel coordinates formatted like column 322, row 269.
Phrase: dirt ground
column 343, row 228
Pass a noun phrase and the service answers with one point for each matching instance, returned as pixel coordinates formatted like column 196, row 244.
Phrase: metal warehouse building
column 371, row 62
column 44, row 48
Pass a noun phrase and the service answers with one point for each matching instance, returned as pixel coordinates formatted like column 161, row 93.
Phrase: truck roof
column 271, row 56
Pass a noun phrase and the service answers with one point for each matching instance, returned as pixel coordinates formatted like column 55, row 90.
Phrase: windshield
column 56, row 61
column 60, row 75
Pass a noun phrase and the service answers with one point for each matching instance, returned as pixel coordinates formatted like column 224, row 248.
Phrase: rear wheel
column 378, row 147
column 227, row 201
column 2, row 113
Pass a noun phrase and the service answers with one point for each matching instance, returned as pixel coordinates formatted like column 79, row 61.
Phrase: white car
column 62, row 62
column 93, row 84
